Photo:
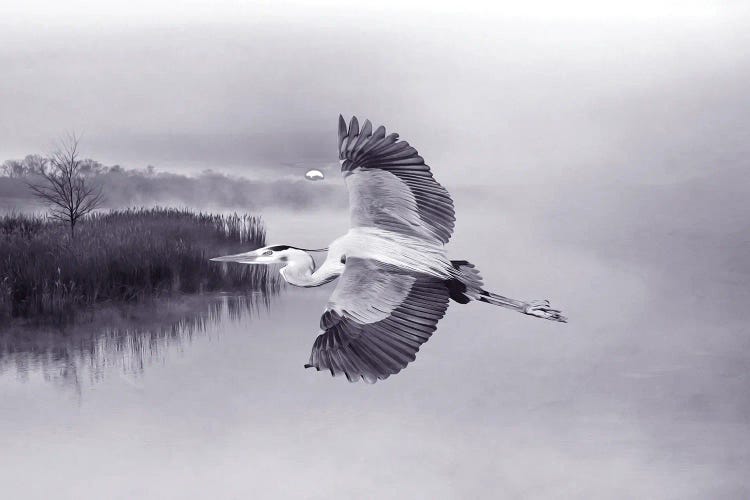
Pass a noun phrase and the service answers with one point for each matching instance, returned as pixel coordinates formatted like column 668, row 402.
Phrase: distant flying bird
column 396, row 280
column 314, row 175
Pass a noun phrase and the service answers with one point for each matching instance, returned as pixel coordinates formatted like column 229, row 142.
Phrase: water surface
column 641, row 395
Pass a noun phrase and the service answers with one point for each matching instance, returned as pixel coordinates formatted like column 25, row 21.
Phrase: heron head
column 273, row 254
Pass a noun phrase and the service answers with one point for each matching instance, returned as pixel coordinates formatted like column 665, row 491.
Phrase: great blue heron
column 396, row 280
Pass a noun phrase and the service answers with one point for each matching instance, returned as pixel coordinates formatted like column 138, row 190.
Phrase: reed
column 122, row 256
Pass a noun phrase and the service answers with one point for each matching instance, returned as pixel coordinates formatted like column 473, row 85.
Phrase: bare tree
column 31, row 165
column 12, row 168
column 63, row 188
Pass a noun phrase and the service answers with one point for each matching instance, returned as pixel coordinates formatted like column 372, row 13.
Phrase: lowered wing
column 376, row 320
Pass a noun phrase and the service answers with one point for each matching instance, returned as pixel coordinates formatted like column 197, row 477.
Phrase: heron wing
column 376, row 320
column 390, row 187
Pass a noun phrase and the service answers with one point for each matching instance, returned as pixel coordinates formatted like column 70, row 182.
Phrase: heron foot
column 542, row 309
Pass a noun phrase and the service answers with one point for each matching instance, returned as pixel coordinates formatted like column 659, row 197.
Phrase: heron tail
column 467, row 283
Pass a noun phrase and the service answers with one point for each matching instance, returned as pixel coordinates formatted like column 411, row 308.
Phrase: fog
column 205, row 191
column 651, row 92
column 596, row 157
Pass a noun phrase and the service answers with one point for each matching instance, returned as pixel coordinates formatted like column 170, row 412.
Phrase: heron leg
column 536, row 308
column 542, row 309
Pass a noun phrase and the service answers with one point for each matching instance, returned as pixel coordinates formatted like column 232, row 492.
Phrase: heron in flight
column 395, row 279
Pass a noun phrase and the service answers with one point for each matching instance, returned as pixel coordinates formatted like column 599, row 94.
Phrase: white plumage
column 395, row 279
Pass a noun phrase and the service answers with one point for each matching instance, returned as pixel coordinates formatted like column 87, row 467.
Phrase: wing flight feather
column 376, row 320
column 410, row 200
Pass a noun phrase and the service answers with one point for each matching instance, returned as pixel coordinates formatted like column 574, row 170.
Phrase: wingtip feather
column 342, row 133
column 353, row 127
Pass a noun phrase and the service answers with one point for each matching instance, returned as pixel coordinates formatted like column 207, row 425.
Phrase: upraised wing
column 390, row 187
column 376, row 320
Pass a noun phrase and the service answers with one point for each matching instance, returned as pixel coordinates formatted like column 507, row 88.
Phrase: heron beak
column 242, row 258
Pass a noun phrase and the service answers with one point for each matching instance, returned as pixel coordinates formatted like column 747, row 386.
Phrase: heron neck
column 301, row 274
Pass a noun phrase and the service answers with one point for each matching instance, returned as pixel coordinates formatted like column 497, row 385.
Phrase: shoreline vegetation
column 125, row 187
column 122, row 257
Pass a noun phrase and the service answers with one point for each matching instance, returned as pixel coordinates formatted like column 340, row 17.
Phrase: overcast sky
column 512, row 94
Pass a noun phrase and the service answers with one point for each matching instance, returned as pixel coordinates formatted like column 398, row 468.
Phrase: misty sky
column 597, row 154
column 644, row 91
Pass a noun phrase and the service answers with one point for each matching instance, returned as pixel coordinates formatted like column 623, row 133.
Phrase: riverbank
column 121, row 256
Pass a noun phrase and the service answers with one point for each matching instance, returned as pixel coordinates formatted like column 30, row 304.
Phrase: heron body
column 395, row 278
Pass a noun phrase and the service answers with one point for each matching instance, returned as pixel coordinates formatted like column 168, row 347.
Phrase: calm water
column 642, row 395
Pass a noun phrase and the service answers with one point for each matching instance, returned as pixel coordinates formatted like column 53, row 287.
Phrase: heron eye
column 267, row 253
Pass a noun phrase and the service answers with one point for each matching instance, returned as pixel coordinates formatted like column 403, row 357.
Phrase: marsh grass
column 122, row 256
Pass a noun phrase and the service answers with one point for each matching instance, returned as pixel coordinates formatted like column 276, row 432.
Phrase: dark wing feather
column 378, row 317
column 390, row 186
